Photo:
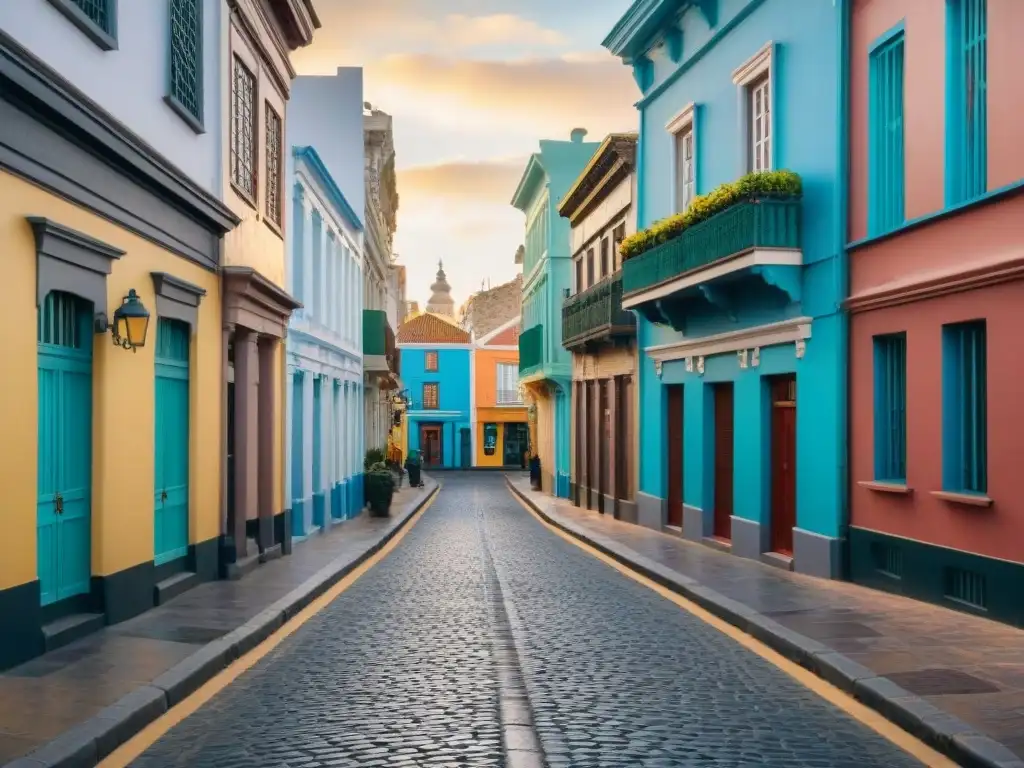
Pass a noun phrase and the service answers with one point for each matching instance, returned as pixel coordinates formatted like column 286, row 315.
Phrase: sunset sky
column 473, row 85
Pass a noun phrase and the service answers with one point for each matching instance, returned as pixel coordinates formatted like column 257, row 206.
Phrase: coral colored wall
column 123, row 396
column 995, row 531
column 925, row 100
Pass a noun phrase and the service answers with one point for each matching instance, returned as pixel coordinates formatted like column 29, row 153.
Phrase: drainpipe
column 843, row 277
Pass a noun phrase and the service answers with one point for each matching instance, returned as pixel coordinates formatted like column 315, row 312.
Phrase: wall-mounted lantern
column 131, row 323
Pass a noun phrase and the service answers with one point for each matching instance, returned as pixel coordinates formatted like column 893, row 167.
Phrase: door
column 430, row 442
column 465, row 447
column 674, row 469
column 515, row 444
column 171, row 449
column 64, row 479
column 723, row 460
column 581, row 437
column 604, row 440
column 783, row 463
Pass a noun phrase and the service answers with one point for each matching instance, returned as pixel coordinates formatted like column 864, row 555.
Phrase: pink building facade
column 936, row 301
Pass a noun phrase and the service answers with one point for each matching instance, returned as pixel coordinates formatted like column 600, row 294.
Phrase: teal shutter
column 965, row 407
column 891, row 408
column 171, row 470
column 886, row 209
column 186, row 56
column 64, row 480
column 967, row 99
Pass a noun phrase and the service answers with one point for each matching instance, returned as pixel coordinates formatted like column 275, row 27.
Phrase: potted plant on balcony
column 380, row 489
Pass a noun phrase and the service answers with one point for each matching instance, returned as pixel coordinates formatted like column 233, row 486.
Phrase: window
column 891, row 408
column 590, row 267
column 685, row 176
column 430, row 362
column 618, row 235
column 186, row 65
column 885, row 138
column 508, row 384
column 243, row 131
column 967, row 112
column 579, row 274
column 96, row 18
column 275, row 137
column 430, row 397
column 759, row 93
column 964, row 408
column 604, row 258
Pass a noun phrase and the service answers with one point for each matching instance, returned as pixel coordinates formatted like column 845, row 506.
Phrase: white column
column 307, row 259
column 307, row 447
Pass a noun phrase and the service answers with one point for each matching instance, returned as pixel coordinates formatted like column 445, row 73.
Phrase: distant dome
column 441, row 301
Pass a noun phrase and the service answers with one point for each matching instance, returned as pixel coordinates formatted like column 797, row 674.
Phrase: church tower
column 441, row 301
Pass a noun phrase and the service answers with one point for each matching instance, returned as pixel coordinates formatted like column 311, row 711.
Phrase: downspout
column 843, row 279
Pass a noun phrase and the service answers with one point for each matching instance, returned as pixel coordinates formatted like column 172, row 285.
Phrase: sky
column 473, row 85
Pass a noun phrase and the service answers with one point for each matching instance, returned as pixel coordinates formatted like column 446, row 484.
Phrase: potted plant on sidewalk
column 380, row 488
column 413, row 466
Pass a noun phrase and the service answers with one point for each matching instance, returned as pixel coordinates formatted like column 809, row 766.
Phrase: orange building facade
column 499, row 414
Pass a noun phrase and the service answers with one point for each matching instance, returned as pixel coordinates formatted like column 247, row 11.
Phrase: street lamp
column 131, row 323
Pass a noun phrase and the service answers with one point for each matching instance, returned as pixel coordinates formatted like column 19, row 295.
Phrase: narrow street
column 400, row 669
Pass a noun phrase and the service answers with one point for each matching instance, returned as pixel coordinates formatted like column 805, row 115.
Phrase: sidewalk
column 955, row 681
column 74, row 706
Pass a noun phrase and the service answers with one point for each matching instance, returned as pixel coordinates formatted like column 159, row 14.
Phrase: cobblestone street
column 401, row 670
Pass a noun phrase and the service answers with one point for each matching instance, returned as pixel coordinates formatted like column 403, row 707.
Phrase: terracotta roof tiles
column 431, row 329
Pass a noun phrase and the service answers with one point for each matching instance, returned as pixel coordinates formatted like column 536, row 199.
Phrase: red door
column 674, row 470
column 783, row 463
column 430, row 440
column 723, row 460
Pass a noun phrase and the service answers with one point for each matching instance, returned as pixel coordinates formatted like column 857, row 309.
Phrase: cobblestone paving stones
column 398, row 671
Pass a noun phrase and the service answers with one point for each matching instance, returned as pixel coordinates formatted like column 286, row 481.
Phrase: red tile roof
column 507, row 338
column 431, row 329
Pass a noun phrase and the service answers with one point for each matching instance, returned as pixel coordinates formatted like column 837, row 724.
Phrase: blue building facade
column 545, row 366
column 324, row 454
column 436, row 364
column 742, row 374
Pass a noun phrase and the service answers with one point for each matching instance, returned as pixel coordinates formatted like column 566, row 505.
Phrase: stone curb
column 943, row 732
column 89, row 742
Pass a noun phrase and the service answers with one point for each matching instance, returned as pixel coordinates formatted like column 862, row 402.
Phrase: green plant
column 379, row 488
column 703, row 207
column 373, row 456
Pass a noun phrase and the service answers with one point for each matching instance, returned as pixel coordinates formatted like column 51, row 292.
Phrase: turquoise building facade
column 545, row 366
column 743, row 338
column 436, row 364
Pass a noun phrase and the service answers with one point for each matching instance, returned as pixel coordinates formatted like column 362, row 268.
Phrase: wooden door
column 603, row 441
column 466, row 448
column 621, row 445
column 580, row 435
column 171, row 441
column 64, row 474
column 674, row 469
column 430, row 441
column 783, row 463
column 723, row 460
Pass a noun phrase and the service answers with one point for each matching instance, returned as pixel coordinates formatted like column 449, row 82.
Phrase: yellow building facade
column 108, row 508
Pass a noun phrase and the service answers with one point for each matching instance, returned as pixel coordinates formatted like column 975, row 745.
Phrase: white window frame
column 681, row 125
column 502, row 378
column 757, row 76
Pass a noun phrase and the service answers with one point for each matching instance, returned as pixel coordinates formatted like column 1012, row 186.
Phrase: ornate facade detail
column 801, row 348
column 741, row 356
column 755, row 357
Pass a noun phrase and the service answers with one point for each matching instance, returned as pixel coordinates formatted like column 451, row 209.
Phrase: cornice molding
column 934, row 285
column 784, row 332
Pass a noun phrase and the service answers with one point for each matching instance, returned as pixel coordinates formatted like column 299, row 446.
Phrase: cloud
column 526, row 95
column 482, row 182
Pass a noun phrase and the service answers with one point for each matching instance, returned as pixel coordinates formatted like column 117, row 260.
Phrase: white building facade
column 325, row 369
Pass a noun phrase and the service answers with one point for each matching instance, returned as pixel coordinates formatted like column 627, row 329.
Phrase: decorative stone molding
column 689, row 364
column 801, row 348
column 755, row 357
column 177, row 299
column 741, row 356
column 700, row 365
column 657, row 368
column 784, row 332
column 69, row 261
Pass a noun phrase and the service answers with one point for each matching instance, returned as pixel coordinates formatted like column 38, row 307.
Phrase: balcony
column 596, row 315
column 380, row 355
column 753, row 245
column 531, row 350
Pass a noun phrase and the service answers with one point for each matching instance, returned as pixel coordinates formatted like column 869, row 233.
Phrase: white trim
column 784, row 257
column 682, row 119
column 482, row 341
column 502, row 348
column 783, row 332
column 433, row 412
column 754, row 67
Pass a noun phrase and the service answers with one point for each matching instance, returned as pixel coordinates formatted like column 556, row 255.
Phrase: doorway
column 674, row 469
column 64, row 484
column 466, row 447
column 783, row 394
column 604, row 437
column 430, row 444
column 724, row 455
column 515, row 445
column 171, row 441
